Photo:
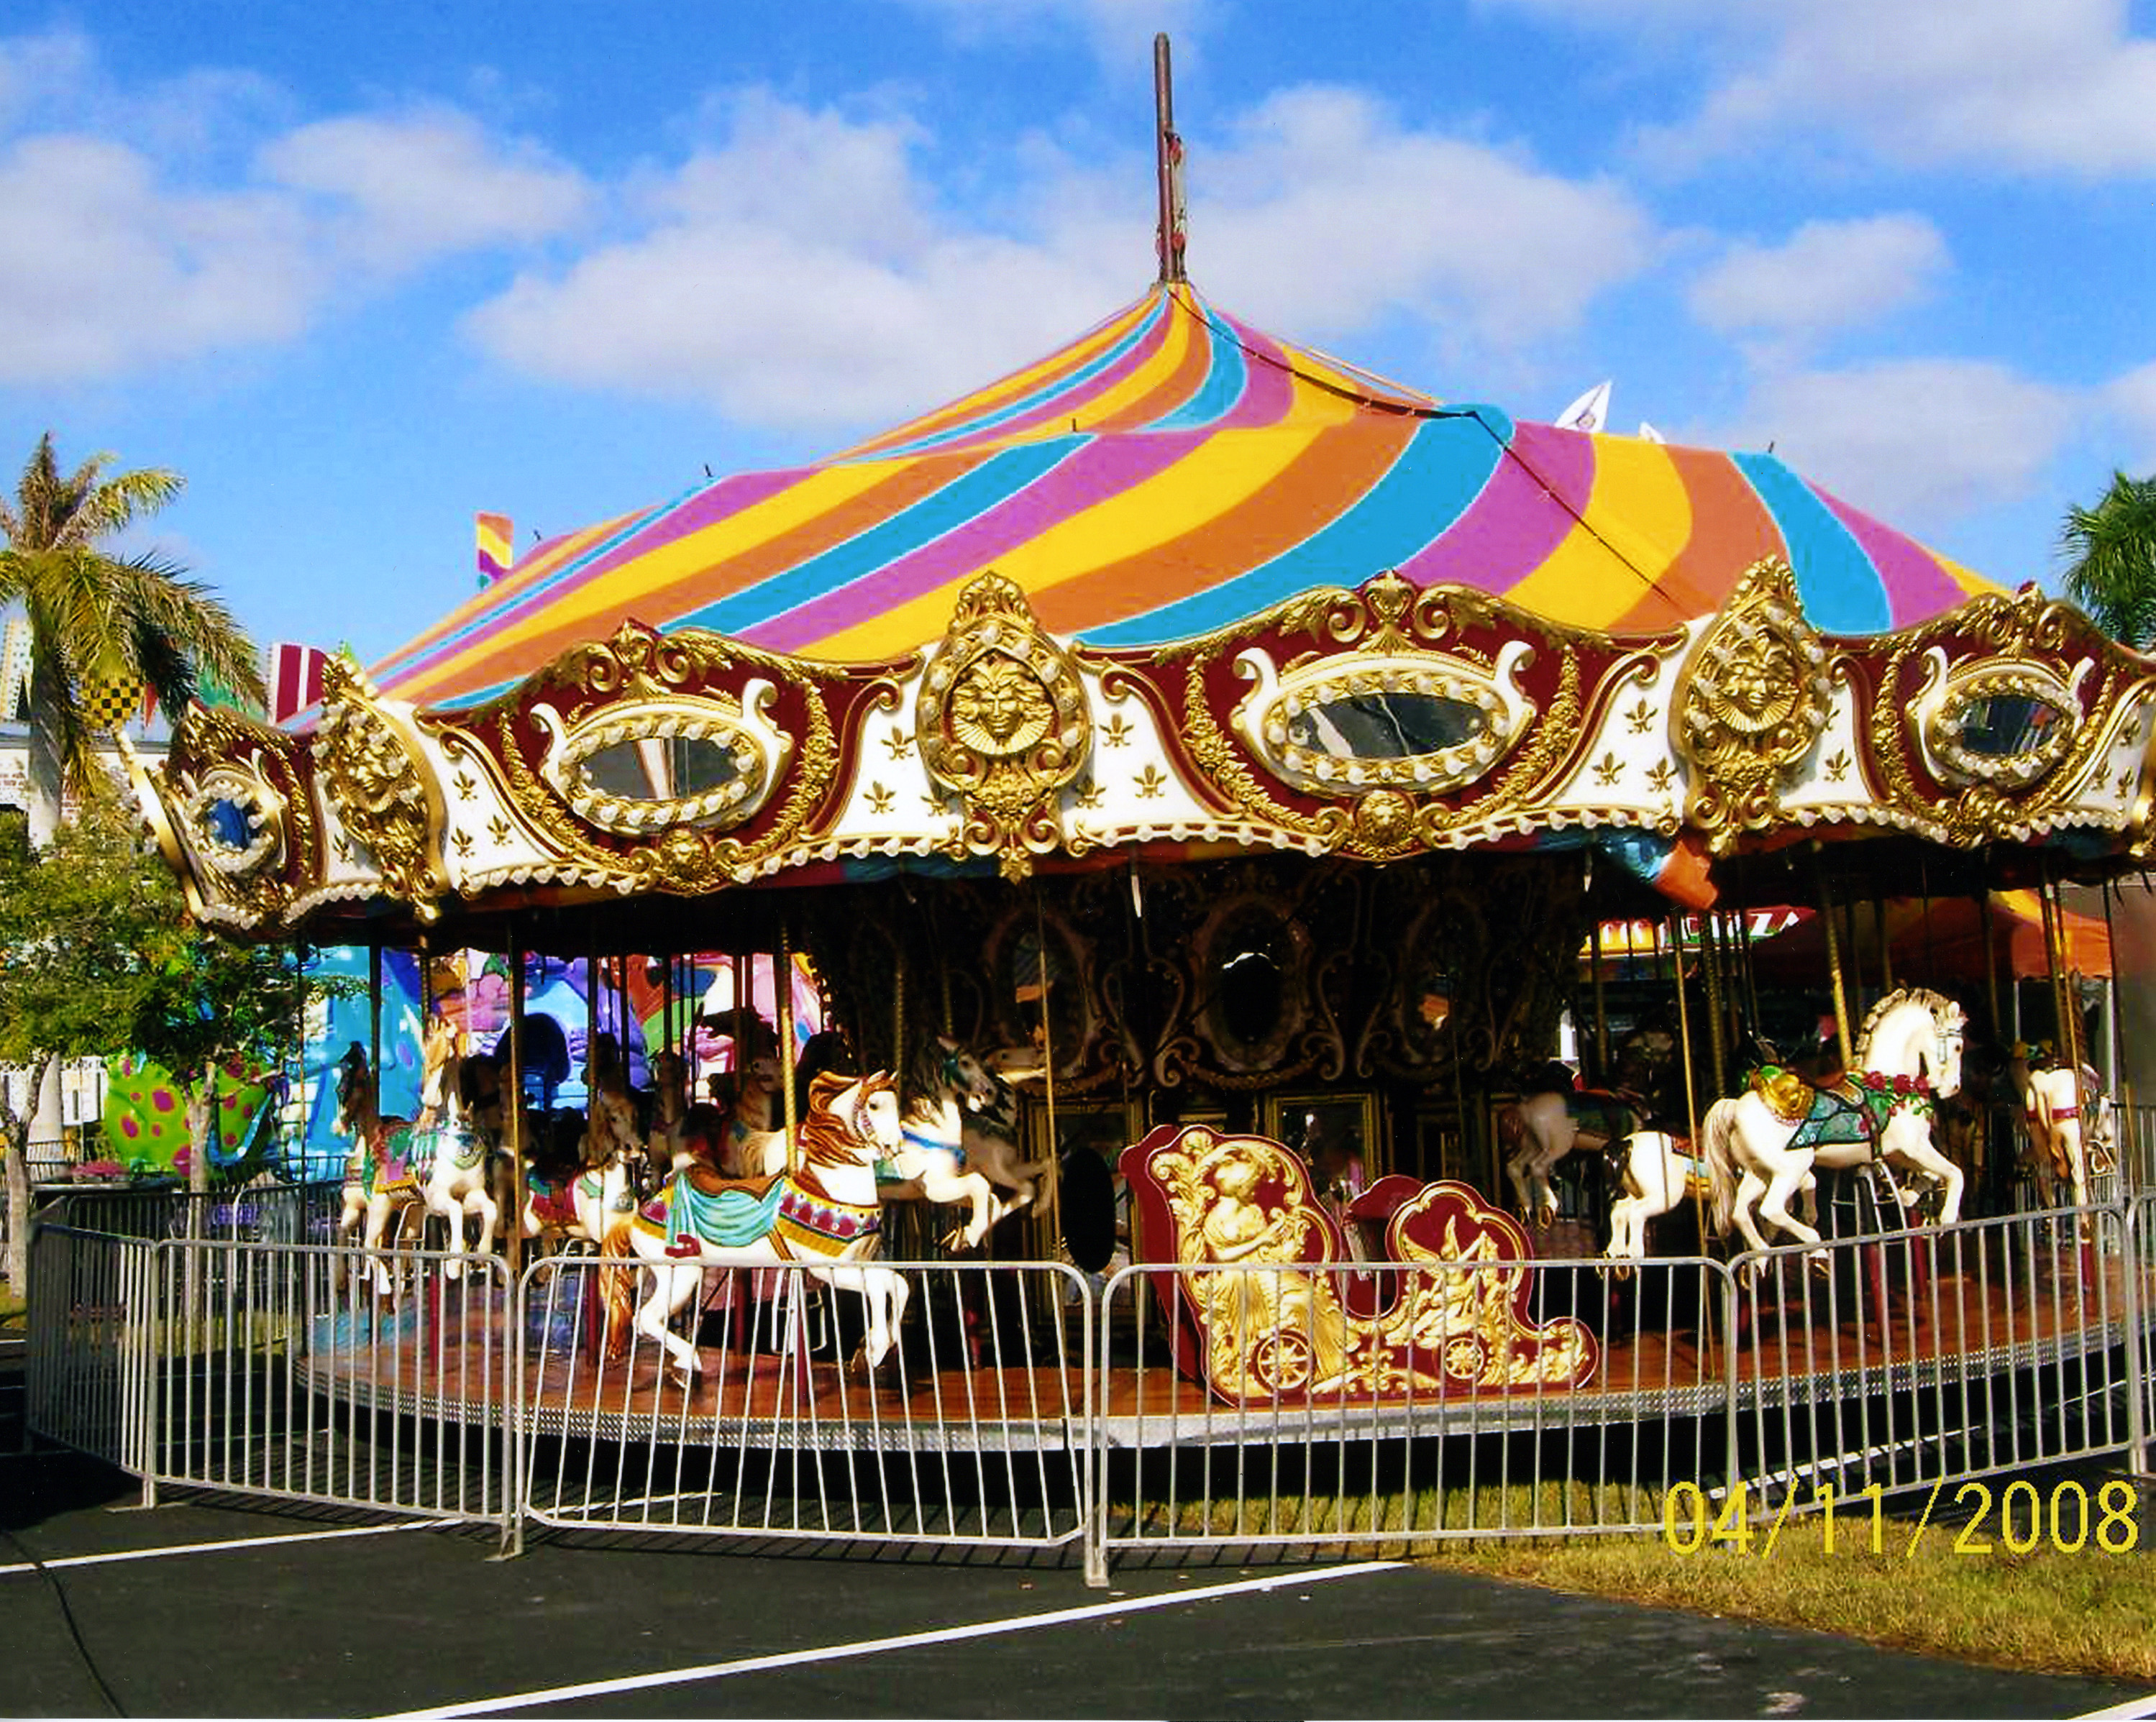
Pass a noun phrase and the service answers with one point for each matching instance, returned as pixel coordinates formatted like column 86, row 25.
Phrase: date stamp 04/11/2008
column 2017, row 1519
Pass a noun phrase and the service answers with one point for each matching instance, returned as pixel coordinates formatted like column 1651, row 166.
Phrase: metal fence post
column 1095, row 1468
column 2136, row 1355
column 518, row 1419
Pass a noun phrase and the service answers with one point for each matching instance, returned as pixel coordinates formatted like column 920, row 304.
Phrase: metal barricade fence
column 1381, row 1448
column 974, row 1430
column 90, row 1297
column 2140, row 1286
column 281, row 1371
column 279, row 1213
column 1907, row 1358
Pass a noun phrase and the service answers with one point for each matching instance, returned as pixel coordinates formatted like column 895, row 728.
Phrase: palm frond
column 2110, row 550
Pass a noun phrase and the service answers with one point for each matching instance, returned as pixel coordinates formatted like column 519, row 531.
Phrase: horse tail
column 1512, row 1128
column 617, row 1286
column 1714, row 1151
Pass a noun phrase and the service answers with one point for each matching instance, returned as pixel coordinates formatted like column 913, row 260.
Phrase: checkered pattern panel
column 108, row 702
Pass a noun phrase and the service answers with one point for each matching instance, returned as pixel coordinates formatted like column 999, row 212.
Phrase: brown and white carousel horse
column 384, row 1171
column 1543, row 1128
column 2069, row 1118
column 823, row 1214
column 601, row 1192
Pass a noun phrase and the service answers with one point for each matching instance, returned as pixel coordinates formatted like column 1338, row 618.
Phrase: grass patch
column 2047, row 1610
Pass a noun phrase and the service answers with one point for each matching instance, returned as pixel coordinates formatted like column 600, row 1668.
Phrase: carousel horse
column 1657, row 1172
column 669, row 1106
column 944, row 1080
column 2068, row 1119
column 990, row 1137
column 824, row 1215
column 1544, row 1127
column 601, row 1191
column 461, row 1175
column 1761, row 1146
column 754, row 1140
column 383, row 1178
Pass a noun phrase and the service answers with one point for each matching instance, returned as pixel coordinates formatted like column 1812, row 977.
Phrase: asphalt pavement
column 203, row 1607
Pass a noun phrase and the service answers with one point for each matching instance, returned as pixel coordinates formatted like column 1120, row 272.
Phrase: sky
column 359, row 272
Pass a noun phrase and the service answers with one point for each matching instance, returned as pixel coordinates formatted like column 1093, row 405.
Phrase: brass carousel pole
column 1684, row 1046
column 515, row 1102
column 2128, row 1149
column 785, row 989
column 592, row 983
column 374, row 1020
column 1601, row 1012
column 1054, row 1178
column 1990, row 966
column 1710, row 958
column 1834, row 957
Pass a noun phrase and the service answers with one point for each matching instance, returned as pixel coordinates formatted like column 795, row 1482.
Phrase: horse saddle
column 1604, row 1112
column 1841, row 1115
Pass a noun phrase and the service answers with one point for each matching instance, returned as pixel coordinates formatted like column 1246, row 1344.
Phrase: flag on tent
column 1589, row 413
column 14, row 667
column 496, row 548
column 112, row 693
column 295, row 679
column 1648, row 433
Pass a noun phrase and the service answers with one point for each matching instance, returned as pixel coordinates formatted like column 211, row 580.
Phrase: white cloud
column 2063, row 85
column 1914, row 441
column 401, row 190
column 168, row 246
column 1325, row 214
column 801, row 271
column 1826, row 277
column 2131, row 399
column 1120, row 31
column 129, row 272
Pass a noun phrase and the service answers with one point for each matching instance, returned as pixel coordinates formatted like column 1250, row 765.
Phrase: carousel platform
column 1799, row 1340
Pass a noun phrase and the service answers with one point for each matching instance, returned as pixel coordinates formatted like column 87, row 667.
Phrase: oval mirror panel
column 660, row 768
column 1252, row 956
column 2006, row 726
column 1386, row 726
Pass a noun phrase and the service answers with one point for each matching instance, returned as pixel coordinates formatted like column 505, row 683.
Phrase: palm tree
column 96, row 617
column 2110, row 555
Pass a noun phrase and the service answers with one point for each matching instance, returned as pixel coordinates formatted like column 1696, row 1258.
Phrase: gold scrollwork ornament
column 1001, row 724
column 1750, row 704
column 383, row 796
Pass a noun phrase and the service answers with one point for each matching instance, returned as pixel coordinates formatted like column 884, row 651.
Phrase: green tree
column 97, row 616
column 98, row 957
column 2110, row 552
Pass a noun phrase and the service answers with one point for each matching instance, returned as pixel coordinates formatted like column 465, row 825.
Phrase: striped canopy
column 1171, row 470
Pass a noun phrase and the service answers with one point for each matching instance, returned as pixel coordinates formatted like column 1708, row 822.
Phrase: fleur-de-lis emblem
column 2130, row 735
column 1640, row 717
column 1607, row 769
column 933, row 803
column 1117, row 732
column 881, row 800
column 1091, row 794
column 1151, row 782
column 461, row 842
column 1837, row 765
column 497, row 829
column 899, row 742
column 2125, row 783
column 466, row 786
column 1662, row 777
column 342, row 846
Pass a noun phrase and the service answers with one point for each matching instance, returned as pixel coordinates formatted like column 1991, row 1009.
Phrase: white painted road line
column 2128, row 1711
column 904, row 1641
column 243, row 1542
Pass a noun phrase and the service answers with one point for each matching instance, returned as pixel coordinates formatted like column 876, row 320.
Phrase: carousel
column 1208, row 784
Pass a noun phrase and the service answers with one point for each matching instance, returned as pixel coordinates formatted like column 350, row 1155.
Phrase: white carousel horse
column 1543, row 1128
column 462, row 1177
column 1657, row 1171
column 2069, row 1118
column 1760, row 1156
column 944, row 1079
column 824, row 1215
column 383, row 1175
column 601, row 1192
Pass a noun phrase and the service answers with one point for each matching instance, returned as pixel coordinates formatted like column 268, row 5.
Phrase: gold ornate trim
column 1750, row 704
column 1002, row 724
column 384, row 797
